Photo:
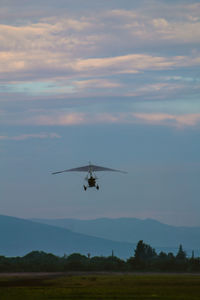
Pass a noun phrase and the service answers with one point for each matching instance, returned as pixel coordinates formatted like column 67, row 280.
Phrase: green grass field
column 127, row 286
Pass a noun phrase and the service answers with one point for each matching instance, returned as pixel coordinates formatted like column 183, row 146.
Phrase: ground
column 99, row 286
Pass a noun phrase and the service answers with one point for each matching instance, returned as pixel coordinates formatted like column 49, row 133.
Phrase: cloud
column 23, row 137
column 70, row 119
column 185, row 32
column 74, row 119
column 175, row 10
column 169, row 119
column 64, row 119
column 159, row 87
column 96, row 83
column 132, row 63
column 98, row 45
column 156, row 23
column 61, row 119
column 102, row 53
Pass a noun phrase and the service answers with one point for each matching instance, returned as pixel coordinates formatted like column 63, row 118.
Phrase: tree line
column 145, row 258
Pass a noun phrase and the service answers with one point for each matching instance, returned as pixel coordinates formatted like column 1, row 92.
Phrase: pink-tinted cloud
column 169, row 119
column 73, row 119
column 96, row 84
column 60, row 119
column 57, row 46
column 131, row 63
column 12, row 62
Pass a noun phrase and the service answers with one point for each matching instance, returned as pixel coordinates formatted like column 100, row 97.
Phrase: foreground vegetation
column 145, row 259
column 165, row 287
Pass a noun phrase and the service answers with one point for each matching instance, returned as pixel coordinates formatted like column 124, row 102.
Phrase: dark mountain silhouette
column 19, row 236
column 132, row 230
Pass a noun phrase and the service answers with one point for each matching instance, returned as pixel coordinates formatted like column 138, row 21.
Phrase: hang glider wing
column 98, row 169
column 89, row 168
column 81, row 169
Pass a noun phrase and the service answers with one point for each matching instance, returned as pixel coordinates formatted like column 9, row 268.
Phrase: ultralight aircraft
column 90, row 178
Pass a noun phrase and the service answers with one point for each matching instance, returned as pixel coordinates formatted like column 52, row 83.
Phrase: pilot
column 91, row 181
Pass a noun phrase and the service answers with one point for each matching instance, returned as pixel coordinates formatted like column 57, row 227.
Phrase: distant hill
column 19, row 236
column 160, row 236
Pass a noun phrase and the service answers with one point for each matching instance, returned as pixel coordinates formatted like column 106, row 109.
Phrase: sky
column 113, row 82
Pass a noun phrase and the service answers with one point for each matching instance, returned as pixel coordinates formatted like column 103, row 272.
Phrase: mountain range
column 20, row 236
column 158, row 235
column 97, row 237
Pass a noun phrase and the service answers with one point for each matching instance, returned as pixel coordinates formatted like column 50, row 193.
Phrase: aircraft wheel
column 85, row 187
column 97, row 187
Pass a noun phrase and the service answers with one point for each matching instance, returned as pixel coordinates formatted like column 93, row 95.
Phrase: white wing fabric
column 89, row 168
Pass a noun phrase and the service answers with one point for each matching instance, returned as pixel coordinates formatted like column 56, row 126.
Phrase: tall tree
column 181, row 255
column 144, row 252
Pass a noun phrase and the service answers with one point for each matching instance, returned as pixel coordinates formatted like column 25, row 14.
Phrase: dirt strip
column 44, row 275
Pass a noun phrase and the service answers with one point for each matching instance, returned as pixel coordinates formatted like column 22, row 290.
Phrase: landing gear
column 85, row 187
